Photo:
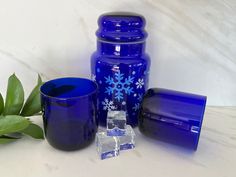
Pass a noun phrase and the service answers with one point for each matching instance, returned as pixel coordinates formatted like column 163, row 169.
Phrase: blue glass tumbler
column 69, row 112
column 120, row 65
column 172, row 116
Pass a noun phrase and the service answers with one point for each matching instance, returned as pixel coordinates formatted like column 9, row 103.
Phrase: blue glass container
column 172, row 116
column 120, row 65
column 69, row 112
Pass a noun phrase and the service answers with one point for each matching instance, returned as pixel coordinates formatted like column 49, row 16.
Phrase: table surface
column 216, row 155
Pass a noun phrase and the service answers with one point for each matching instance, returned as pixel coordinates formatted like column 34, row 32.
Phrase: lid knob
column 121, row 27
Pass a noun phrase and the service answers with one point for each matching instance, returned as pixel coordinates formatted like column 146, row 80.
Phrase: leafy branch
column 13, row 124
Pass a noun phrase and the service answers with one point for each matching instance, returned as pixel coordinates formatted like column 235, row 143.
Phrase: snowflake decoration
column 139, row 83
column 140, row 97
column 136, row 107
column 108, row 105
column 119, row 85
column 93, row 77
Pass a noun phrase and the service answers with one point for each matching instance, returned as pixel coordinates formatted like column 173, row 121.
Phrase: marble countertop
column 216, row 155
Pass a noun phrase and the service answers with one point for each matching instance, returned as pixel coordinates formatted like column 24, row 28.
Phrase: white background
column 192, row 43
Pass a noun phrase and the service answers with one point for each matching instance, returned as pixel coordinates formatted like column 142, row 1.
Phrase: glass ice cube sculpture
column 116, row 122
column 107, row 146
column 127, row 141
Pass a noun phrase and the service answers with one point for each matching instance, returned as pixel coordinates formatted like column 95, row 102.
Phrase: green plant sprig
column 13, row 121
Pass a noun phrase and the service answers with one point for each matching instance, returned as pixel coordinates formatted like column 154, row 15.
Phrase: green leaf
column 6, row 139
column 34, row 131
column 15, row 135
column 39, row 80
column 1, row 104
column 14, row 97
column 13, row 123
column 33, row 103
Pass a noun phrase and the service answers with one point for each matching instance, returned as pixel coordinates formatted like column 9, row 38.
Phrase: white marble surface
column 192, row 43
column 215, row 157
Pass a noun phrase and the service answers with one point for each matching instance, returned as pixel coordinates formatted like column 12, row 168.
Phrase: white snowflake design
column 140, row 97
column 136, row 107
column 108, row 105
column 93, row 77
column 139, row 83
column 119, row 86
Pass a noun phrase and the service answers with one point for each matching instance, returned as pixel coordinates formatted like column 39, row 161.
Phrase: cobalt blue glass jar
column 120, row 65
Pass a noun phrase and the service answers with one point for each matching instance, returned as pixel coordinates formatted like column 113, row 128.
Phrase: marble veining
column 191, row 43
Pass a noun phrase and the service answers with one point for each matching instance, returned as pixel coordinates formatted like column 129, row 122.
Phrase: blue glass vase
column 120, row 65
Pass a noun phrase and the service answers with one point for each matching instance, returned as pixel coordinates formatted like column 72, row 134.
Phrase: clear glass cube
column 107, row 146
column 127, row 141
column 116, row 122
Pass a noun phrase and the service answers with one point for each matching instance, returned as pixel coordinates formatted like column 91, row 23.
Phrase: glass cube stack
column 116, row 122
column 118, row 136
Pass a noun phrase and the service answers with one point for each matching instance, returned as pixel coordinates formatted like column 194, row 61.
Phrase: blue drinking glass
column 172, row 116
column 69, row 107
